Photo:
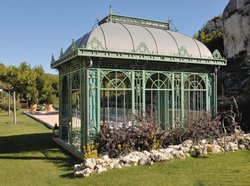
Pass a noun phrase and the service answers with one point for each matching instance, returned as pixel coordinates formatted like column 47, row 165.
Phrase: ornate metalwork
column 183, row 52
column 73, row 46
column 142, row 48
column 95, row 44
column 217, row 55
column 135, row 21
column 76, row 81
column 117, row 84
column 102, row 53
column 116, row 92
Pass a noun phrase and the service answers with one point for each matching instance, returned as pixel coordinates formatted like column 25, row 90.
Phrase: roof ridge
column 134, row 21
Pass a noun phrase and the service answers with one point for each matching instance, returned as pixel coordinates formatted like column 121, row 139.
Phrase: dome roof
column 121, row 37
column 145, row 37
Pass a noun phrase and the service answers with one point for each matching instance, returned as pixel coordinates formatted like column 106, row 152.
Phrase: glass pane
column 76, row 114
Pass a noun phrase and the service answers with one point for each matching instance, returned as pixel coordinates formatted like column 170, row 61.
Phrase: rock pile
column 186, row 149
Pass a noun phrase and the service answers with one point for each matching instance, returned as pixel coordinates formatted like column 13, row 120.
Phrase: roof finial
column 168, row 23
column 110, row 10
column 61, row 52
column 73, row 46
column 52, row 59
column 110, row 13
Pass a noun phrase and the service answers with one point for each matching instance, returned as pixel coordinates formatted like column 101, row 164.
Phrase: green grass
column 29, row 157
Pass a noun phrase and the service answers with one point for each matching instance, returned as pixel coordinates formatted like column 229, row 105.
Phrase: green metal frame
column 108, row 94
column 97, row 86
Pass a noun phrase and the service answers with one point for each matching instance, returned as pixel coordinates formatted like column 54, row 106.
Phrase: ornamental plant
column 119, row 140
column 49, row 99
column 116, row 140
column 90, row 150
column 33, row 99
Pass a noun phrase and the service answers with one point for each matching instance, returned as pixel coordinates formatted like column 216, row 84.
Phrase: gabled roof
column 120, row 34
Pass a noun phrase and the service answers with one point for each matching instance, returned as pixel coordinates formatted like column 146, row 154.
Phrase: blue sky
column 31, row 30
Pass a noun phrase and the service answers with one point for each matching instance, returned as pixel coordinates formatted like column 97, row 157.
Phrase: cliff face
column 236, row 28
column 234, row 79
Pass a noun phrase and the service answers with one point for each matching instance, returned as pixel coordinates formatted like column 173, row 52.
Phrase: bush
column 5, row 106
column 117, row 140
column 49, row 99
column 174, row 136
column 33, row 100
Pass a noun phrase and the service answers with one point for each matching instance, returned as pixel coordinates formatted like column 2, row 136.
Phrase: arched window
column 158, row 98
column 75, row 110
column 194, row 95
column 116, row 96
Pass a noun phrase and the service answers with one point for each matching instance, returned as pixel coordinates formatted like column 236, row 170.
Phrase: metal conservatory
column 128, row 66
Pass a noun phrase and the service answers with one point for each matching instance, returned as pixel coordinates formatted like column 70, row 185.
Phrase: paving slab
column 49, row 119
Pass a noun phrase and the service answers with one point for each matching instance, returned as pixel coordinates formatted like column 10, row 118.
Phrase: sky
column 33, row 30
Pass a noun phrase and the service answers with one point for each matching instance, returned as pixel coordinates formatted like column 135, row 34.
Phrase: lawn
column 28, row 156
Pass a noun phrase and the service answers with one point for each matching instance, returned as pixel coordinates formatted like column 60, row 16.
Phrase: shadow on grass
column 36, row 147
column 26, row 143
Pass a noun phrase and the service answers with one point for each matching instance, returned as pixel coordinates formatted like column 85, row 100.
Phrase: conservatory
column 126, row 67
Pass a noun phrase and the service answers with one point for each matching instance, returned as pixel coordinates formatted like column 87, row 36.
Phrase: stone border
column 186, row 149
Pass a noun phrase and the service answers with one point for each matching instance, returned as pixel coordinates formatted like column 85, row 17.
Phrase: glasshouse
column 127, row 67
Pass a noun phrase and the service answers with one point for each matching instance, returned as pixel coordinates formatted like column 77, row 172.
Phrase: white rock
column 187, row 143
column 160, row 156
column 88, row 163
column 203, row 142
column 100, row 161
column 179, row 154
column 84, row 173
column 176, row 147
column 117, row 166
column 185, row 149
column 170, row 150
column 145, row 161
column 132, row 158
column 106, row 158
column 100, row 169
column 233, row 146
column 242, row 147
column 146, row 153
column 77, row 167
column 214, row 148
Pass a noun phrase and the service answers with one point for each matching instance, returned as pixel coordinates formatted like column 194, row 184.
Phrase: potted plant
column 49, row 103
column 33, row 103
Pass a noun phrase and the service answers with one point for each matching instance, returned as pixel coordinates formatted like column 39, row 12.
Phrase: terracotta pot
column 33, row 107
column 49, row 107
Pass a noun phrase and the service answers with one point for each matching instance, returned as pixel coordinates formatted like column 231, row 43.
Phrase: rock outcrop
column 234, row 79
column 236, row 24
column 214, row 24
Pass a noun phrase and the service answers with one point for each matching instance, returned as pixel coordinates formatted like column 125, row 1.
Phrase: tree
column 213, row 39
column 29, row 82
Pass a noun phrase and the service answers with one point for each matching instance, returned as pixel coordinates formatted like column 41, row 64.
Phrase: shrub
column 90, row 151
column 117, row 140
column 205, row 127
column 174, row 136
column 33, row 100
column 49, row 99
column 5, row 106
